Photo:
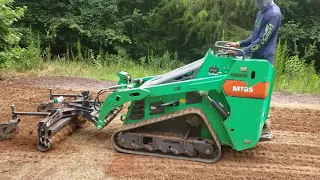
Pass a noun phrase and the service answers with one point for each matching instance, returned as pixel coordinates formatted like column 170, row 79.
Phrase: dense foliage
column 141, row 27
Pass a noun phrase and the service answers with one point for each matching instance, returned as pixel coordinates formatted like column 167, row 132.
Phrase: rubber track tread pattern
column 164, row 118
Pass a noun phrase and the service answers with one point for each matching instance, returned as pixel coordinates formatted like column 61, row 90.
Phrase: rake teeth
column 64, row 132
column 80, row 122
column 61, row 134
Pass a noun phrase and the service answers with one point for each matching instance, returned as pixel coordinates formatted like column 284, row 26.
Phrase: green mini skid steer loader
column 188, row 113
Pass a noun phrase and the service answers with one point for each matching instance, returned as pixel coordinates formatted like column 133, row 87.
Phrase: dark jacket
column 263, row 41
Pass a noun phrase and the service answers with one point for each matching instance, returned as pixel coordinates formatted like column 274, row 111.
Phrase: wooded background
column 138, row 28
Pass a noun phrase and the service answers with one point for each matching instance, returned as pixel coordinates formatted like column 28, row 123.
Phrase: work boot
column 266, row 134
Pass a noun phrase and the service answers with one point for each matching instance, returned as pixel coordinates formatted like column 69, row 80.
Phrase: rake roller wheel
column 4, row 135
column 44, row 148
column 44, row 107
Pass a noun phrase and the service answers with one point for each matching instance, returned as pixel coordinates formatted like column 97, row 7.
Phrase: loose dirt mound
column 88, row 153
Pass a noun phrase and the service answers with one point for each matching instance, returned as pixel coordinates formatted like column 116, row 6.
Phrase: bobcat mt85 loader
column 189, row 113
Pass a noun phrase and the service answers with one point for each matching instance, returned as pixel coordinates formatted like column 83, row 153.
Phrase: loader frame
column 227, row 99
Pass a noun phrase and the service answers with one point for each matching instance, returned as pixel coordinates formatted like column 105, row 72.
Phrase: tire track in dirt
column 300, row 149
column 71, row 166
column 296, row 120
column 301, row 128
column 296, row 138
column 294, row 117
column 156, row 168
column 266, row 160
column 27, row 157
column 285, row 158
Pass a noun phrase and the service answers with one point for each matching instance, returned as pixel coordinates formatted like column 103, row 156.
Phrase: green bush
column 293, row 74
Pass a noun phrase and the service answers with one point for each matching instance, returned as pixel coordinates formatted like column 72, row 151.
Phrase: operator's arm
column 248, row 41
column 271, row 27
column 245, row 42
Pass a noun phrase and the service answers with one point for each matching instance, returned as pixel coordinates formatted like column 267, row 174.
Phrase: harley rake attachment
column 60, row 118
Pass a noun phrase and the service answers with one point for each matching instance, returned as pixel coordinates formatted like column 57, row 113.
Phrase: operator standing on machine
column 263, row 41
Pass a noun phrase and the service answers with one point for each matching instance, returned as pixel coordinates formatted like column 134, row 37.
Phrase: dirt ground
column 88, row 154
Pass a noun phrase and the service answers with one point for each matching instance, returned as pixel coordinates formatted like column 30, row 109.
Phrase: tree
column 9, row 35
column 301, row 27
column 94, row 23
column 8, row 15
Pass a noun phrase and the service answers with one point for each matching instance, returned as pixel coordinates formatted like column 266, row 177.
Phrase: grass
column 81, row 69
column 102, row 70
column 293, row 75
column 32, row 61
column 306, row 81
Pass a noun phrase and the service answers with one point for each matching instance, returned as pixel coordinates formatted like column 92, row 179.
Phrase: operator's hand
column 231, row 52
column 233, row 44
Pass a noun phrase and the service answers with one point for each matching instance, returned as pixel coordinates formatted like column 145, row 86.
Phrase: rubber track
column 164, row 118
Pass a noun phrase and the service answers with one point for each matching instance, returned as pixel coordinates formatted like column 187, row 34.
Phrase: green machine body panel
column 242, row 88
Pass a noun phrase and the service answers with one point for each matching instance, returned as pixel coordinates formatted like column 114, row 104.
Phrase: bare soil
column 88, row 154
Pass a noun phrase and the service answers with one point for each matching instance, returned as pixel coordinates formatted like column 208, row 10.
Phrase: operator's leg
column 266, row 134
